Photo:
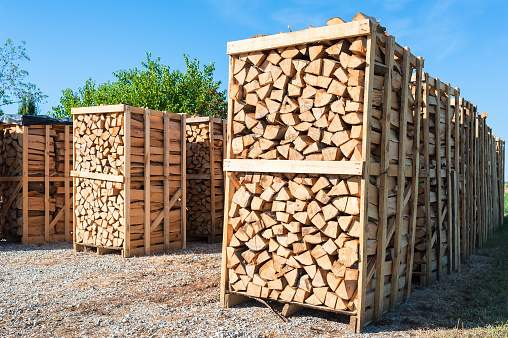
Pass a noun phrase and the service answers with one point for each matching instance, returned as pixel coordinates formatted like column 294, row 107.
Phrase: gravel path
column 52, row 291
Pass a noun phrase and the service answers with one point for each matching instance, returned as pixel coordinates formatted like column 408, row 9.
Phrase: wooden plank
column 57, row 218
column 67, row 223
column 200, row 119
column 401, row 179
column 211, row 230
column 289, row 166
column 98, row 176
column 383, row 187
column 228, row 300
column 25, row 185
column 147, row 185
column 462, row 142
column 365, row 181
column 318, row 34
column 46, row 184
column 127, row 182
column 118, row 108
column 415, row 180
column 183, row 177
column 437, row 123
column 449, row 202
column 167, row 145
column 74, row 185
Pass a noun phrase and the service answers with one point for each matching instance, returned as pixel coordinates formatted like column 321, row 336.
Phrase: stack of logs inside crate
column 205, row 183
column 44, row 158
column 118, row 163
column 296, row 236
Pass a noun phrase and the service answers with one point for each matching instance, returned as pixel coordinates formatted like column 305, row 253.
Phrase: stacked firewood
column 199, row 184
column 296, row 238
column 11, row 165
column 99, row 148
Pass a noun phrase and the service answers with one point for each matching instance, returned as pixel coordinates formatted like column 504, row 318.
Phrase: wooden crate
column 375, row 188
column 135, row 157
column 470, row 160
column 333, row 125
column 35, row 182
column 205, row 178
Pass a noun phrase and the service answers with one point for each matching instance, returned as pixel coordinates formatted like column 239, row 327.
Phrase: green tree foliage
column 13, row 88
column 154, row 86
column 28, row 107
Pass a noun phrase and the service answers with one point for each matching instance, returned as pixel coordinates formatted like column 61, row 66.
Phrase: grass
column 472, row 303
column 482, row 302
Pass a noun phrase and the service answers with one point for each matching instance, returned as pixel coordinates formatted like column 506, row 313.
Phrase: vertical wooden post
column 426, row 162
column 416, row 177
column 167, row 154
column 463, row 180
column 183, row 182
column 383, row 186
column 449, row 200
column 147, row 183
column 127, row 181
column 211, row 231
column 46, row 185
column 25, row 186
column 437, row 122
column 228, row 300
column 401, row 179
column 455, row 191
column 67, row 233
column 364, row 206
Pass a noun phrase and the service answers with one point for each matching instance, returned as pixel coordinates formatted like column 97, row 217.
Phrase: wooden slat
column 98, row 176
column 167, row 144
column 365, row 181
column 67, row 225
column 383, row 187
column 318, row 34
column 289, row 166
column 183, row 182
column 46, row 184
column 25, row 185
column 437, row 123
column 119, row 108
column 226, row 299
column 401, row 180
column 147, row 222
column 456, row 220
column 211, row 229
column 448, row 149
column 127, row 185
column 415, row 179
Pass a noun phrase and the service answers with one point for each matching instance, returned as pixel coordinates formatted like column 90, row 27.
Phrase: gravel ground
column 51, row 291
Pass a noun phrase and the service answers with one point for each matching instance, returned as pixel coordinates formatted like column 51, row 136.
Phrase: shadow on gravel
column 9, row 246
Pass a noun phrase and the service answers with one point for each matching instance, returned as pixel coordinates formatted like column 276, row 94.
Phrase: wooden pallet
column 153, row 174
column 214, row 227
column 56, row 222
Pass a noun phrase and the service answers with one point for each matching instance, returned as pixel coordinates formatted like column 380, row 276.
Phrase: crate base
column 217, row 238
column 232, row 298
column 99, row 249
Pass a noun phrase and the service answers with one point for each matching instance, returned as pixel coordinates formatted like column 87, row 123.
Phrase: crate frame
column 126, row 179
column 358, row 318
column 214, row 236
column 22, row 187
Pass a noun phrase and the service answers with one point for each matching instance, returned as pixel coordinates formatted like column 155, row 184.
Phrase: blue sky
column 463, row 42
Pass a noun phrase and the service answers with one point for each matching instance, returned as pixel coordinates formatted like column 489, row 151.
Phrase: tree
column 13, row 88
column 154, row 86
column 28, row 107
